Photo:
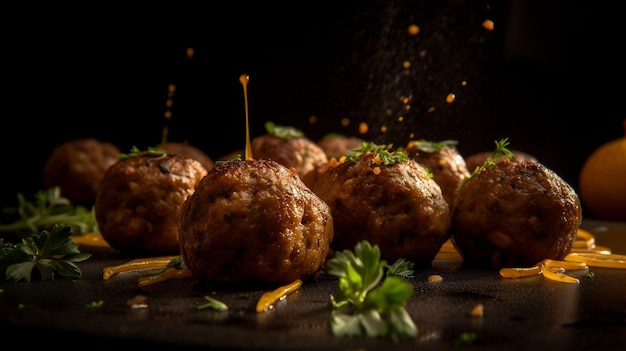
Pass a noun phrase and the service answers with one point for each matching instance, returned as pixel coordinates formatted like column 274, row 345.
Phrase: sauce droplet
column 244, row 79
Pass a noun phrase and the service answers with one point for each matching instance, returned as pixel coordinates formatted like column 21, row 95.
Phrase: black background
column 547, row 77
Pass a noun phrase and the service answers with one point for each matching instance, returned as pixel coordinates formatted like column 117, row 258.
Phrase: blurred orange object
column 602, row 181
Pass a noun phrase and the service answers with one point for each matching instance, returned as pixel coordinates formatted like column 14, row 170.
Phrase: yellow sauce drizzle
column 94, row 239
column 245, row 79
column 138, row 264
column 585, row 253
column 269, row 298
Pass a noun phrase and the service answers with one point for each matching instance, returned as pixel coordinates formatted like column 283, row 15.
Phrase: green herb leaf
column 51, row 253
column 95, row 304
column 364, row 305
column 47, row 210
column 431, row 146
column 151, row 151
column 401, row 268
column 213, row 304
column 283, row 132
column 232, row 159
column 501, row 150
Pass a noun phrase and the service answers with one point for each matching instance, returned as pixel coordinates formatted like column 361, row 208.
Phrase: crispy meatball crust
column 514, row 214
column 447, row 166
column 78, row 166
column 254, row 221
column 139, row 201
column 401, row 209
column 300, row 153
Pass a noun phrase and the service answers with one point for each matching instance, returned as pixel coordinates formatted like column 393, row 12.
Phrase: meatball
column 514, row 214
column 78, row 166
column 337, row 145
column 139, row 201
column 395, row 206
column 288, row 147
column 188, row 150
column 445, row 163
column 254, row 221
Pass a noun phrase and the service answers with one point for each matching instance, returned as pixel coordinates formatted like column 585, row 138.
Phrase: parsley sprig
column 364, row 305
column 501, row 150
column 387, row 154
column 53, row 252
column 49, row 208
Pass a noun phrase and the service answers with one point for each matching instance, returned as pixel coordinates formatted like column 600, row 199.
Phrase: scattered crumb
column 139, row 301
column 435, row 278
column 478, row 311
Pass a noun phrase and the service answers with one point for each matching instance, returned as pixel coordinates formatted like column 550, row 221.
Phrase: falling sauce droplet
column 450, row 98
column 244, row 79
column 488, row 24
column 414, row 29
column 168, row 112
column 363, row 128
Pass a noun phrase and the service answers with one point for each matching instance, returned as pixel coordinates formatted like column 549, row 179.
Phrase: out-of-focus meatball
column 188, row 150
column 139, row 201
column 476, row 160
column 78, row 166
column 444, row 161
column 337, row 145
column 254, row 221
column 514, row 213
column 389, row 200
column 289, row 147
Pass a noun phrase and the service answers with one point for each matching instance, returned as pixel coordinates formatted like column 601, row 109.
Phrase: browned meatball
column 139, row 200
column 397, row 207
column 188, row 150
column 77, row 167
column 445, row 163
column 254, row 221
column 514, row 214
column 337, row 145
column 477, row 159
column 289, row 147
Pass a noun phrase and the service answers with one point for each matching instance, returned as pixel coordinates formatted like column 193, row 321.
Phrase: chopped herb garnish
column 283, row 132
column 387, row 155
column 213, row 304
column 364, row 305
column 232, row 159
column 50, row 209
column 49, row 252
column 431, row 146
column 151, row 151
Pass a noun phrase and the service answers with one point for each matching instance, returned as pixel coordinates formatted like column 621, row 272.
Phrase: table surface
column 528, row 313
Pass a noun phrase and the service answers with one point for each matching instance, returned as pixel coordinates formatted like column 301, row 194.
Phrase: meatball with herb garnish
column 388, row 199
column 139, row 200
column 511, row 214
column 289, row 147
column 254, row 221
column 78, row 166
column 444, row 161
